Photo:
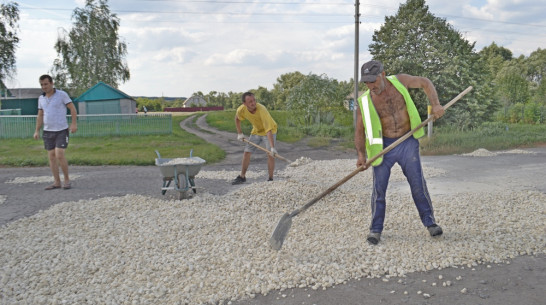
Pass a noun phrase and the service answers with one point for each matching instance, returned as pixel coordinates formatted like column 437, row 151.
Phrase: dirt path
column 523, row 281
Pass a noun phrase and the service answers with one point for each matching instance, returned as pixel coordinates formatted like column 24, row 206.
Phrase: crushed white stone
column 214, row 249
column 482, row 152
column 183, row 161
column 38, row 179
column 2, row 199
column 229, row 175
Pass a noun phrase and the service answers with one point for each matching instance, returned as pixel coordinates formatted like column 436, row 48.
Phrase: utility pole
column 357, row 24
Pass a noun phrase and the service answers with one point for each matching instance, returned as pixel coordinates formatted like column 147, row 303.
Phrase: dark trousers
column 406, row 154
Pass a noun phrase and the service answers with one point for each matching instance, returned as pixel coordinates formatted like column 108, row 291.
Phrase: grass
column 140, row 150
column 491, row 136
column 128, row 150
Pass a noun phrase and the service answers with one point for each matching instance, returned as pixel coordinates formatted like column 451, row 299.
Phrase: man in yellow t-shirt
column 264, row 129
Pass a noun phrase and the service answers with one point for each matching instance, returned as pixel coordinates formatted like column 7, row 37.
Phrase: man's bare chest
column 390, row 103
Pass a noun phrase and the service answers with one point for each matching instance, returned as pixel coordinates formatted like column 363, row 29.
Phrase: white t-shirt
column 54, row 108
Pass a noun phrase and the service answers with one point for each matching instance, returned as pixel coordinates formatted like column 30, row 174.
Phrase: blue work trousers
column 406, row 154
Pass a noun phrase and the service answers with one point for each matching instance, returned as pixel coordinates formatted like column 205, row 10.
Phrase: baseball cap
column 370, row 71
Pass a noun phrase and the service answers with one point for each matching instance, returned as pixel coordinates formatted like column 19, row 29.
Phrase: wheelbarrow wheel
column 182, row 188
column 183, row 195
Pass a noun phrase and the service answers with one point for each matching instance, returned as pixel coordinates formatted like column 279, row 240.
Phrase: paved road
column 521, row 282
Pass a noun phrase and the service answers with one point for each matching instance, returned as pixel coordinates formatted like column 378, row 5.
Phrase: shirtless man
column 385, row 113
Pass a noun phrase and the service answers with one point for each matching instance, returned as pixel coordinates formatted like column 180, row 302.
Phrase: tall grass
column 127, row 150
column 491, row 136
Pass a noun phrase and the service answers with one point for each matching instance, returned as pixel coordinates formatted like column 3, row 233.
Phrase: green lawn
column 140, row 150
column 128, row 150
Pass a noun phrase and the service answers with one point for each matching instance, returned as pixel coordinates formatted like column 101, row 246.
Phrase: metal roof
column 100, row 92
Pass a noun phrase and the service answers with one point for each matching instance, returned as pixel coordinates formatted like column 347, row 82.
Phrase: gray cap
column 370, row 71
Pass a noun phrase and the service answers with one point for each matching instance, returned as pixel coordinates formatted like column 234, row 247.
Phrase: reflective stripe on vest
column 372, row 123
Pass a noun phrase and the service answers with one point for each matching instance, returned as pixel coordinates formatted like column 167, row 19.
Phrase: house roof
column 102, row 91
column 24, row 93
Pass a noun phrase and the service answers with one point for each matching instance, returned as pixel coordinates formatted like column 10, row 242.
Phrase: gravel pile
column 213, row 249
column 182, row 161
column 482, row 152
column 228, row 175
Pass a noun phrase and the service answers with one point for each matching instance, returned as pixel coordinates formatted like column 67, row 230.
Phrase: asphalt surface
column 523, row 281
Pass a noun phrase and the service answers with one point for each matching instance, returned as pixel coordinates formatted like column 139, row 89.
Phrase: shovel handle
column 371, row 160
column 267, row 151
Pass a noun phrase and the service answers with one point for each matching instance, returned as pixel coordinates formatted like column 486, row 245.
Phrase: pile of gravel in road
column 482, row 152
column 212, row 249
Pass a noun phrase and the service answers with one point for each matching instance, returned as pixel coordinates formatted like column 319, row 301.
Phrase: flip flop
column 67, row 186
column 52, row 187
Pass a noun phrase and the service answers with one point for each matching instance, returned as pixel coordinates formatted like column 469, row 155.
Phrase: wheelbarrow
column 180, row 170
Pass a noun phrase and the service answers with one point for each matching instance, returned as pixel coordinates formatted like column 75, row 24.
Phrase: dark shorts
column 58, row 139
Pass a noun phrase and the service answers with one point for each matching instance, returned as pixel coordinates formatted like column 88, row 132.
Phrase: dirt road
column 523, row 281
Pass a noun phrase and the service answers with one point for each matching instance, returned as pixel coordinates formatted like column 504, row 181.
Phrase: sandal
column 67, row 186
column 52, row 187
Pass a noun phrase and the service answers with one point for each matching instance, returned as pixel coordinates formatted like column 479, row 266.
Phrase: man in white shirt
column 52, row 105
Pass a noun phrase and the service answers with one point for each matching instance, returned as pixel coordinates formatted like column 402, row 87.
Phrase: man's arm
column 411, row 81
column 74, row 114
column 238, row 125
column 360, row 143
column 39, row 122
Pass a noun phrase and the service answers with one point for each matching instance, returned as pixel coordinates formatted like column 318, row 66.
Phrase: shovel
column 278, row 236
column 267, row 151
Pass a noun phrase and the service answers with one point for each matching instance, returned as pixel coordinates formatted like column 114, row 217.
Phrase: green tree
column 264, row 97
column 316, row 98
column 9, row 16
column 281, row 89
column 536, row 63
column 494, row 57
column 511, row 82
column 91, row 51
column 416, row 42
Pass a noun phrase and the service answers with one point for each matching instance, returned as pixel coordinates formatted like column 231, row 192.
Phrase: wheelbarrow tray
column 167, row 166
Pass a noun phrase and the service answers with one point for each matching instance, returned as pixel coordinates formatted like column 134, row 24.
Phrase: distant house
column 195, row 101
column 105, row 99
column 25, row 99
column 349, row 101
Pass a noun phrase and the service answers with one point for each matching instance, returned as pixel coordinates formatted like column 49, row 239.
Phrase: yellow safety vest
column 372, row 123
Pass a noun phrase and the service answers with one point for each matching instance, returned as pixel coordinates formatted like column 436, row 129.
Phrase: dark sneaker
column 270, row 179
column 373, row 238
column 435, row 230
column 238, row 180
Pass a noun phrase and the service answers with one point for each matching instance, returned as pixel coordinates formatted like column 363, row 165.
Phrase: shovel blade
column 278, row 236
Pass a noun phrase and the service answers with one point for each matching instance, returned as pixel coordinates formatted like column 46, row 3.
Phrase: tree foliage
column 316, row 98
column 416, row 42
column 91, row 51
column 9, row 16
column 494, row 57
column 281, row 89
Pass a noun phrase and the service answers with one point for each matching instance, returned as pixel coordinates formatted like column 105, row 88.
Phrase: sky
column 179, row 47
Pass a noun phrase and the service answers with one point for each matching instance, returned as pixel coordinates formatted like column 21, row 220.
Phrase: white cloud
column 176, row 48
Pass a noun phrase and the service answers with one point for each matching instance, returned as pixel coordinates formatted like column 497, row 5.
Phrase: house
column 105, row 99
column 349, row 101
column 23, row 99
column 195, row 101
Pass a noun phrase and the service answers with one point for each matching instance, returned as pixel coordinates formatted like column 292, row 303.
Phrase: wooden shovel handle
column 267, row 151
column 371, row 160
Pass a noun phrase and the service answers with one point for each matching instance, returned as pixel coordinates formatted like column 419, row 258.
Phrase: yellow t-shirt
column 261, row 120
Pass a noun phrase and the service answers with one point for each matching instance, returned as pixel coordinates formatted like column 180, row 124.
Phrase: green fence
column 10, row 111
column 23, row 126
